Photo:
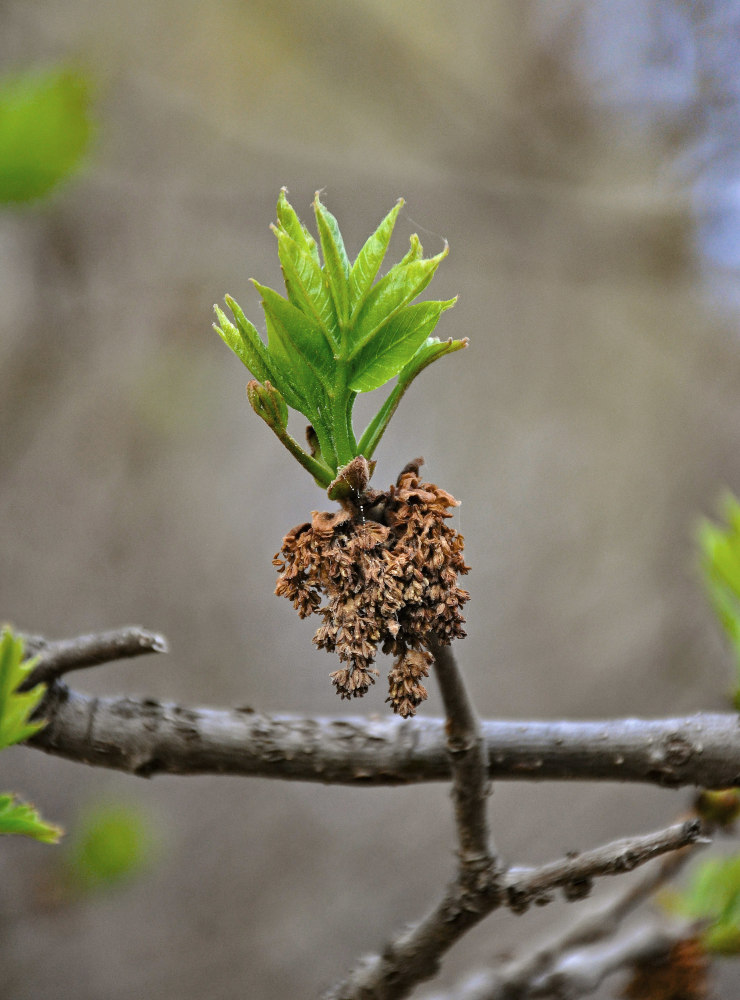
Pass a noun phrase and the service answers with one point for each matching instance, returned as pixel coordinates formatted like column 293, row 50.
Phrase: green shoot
column 338, row 332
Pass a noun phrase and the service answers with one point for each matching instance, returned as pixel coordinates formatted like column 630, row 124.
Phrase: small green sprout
column 338, row 333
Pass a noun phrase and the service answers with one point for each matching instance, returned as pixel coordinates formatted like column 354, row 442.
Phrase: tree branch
column 64, row 655
column 469, row 763
column 147, row 737
column 415, row 954
column 539, row 969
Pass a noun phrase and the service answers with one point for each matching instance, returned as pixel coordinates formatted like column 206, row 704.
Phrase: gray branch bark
column 61, row 656
column 415, row 954
column 147, row 737
column 469, row 764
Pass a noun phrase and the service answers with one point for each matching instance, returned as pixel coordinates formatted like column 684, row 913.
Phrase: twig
column 469, row 763
column 64, row 655
column 575, row 872
column 415, row 954
column 599, row 922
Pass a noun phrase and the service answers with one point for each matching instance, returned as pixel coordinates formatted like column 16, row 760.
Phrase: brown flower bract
column 387, row 566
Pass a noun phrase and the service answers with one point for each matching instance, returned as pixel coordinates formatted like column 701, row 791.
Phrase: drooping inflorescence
column 386, row 566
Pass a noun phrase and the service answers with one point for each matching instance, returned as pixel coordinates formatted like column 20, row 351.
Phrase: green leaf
column 336, row 262
column 430, row 350
column 713, row 897
column 402, row 284
column 368, row 261
column 395, row 343
column 16, row 708
column 45, row 130
column 299, row 347
column 336, row 334
column 244, row 341
column 21, row 818
column 289, row 222
column 114, row 843
column 306, row 288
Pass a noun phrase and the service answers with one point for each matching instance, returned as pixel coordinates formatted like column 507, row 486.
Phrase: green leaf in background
column 45, row 130
column 713, row 897
column 720, row 564
column 16, row 709
column 113, row 843
column 21, row 818
column 336, row 334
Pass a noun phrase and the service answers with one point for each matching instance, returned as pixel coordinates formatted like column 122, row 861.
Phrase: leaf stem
column 319, row 470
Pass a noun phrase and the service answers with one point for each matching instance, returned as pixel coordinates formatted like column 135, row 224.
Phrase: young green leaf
column 369, row 259
column 244, row 341
column 114, row 843
column 336, row 262
column 298, row 342
column 270, row 405
column 306, row 288
column 289, row 222
column 395, row 343
column 16, row 708
column 402, row 284
column 21, row 818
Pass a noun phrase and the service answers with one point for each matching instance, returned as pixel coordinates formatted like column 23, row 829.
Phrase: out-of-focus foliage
column 16, row 709
column 713, row 897
column 720, row 564
column 719, row 807
column 45, row 130
column 112, row 844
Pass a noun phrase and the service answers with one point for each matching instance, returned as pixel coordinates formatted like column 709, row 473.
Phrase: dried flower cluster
column 387, row 564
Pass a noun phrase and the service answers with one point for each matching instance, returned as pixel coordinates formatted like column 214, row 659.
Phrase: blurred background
column 583, row 160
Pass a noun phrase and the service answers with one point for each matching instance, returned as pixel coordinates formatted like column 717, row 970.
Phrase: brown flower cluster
column 387, row 564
